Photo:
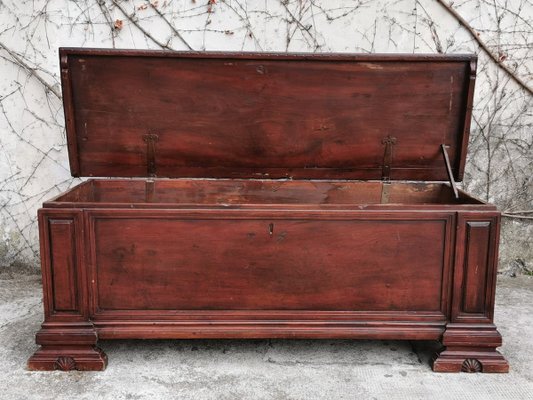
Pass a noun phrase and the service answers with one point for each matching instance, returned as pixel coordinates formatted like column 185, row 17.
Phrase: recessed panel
column 214, row 264
column 63, row 262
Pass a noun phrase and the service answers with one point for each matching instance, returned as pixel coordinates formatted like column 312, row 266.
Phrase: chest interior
column 220, row 129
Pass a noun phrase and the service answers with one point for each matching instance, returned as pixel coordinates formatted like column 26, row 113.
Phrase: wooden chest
column 276, row 196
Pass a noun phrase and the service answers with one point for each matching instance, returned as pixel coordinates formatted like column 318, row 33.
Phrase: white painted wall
column 33, row 157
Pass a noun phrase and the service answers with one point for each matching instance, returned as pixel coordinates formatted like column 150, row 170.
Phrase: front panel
column 356, row 262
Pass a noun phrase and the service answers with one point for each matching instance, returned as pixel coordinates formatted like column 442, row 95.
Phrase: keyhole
column 271, row 229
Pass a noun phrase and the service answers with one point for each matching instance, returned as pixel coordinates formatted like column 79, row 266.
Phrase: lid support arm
column 443, row 147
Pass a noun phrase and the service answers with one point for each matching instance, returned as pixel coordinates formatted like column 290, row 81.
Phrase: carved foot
column 470, row 348
column 469, row 360
column 67, row 347
column 68, row 358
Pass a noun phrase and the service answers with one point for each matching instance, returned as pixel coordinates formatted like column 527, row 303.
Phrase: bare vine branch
column 475, row 36
column 138, row 26
column 172, row 28
column 516, row 216
column 32, row 71
column 500, row 165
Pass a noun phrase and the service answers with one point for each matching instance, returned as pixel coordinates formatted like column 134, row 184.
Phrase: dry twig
column 32, row 71
column 485, row 48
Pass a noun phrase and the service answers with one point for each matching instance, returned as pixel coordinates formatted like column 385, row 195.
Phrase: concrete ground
column 261, row 369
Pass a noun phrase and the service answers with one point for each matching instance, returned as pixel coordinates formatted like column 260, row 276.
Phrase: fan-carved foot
column 65, row 363
column 470, row 360
column 471, row 365
column 68, row 358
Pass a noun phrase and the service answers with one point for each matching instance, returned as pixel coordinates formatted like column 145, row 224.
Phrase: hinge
column 443, row 147
column 150, row 140
column 385, row 192
column 149, row 190
column 389, row 142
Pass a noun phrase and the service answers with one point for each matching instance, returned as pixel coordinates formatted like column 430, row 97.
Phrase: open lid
column 246, row 115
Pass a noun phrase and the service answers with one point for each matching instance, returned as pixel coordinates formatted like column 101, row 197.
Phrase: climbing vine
column 33, row 159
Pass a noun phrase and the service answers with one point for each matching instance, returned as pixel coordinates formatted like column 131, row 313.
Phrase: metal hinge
column 149, row 190
column 150, row 140
column 443, row 147
column 389, row 142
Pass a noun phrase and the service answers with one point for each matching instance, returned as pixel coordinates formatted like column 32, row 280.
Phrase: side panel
column 475, row 267
column 62, row 260
column 476, row 262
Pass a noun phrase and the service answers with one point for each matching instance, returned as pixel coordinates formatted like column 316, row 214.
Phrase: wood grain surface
column 271, row 116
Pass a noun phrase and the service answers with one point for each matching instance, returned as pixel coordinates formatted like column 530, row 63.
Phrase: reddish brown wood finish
column 260, row 115
column 263, row 258
column 226, row 193
column 267, row 263
column 471, row 335
column 67, row 338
